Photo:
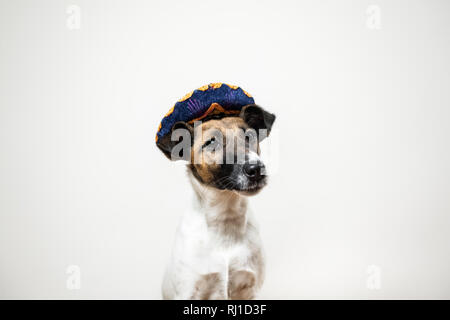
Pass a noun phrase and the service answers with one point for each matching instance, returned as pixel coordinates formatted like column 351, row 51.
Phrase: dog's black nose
column 253, row 170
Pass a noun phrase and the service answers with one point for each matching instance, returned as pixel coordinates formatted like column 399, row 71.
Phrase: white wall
column 363, row 174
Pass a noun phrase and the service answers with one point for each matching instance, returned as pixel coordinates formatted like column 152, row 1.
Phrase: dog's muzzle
column 254, row 171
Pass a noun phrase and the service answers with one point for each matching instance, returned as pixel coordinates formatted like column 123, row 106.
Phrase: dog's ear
column 176, row 145
column 257, row 118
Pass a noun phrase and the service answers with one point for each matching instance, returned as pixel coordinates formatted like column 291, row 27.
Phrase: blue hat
column 196, row 105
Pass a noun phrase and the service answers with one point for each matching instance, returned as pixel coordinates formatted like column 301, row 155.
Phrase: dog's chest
column 207, row 250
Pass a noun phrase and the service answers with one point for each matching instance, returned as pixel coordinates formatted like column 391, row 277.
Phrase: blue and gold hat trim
column 194, row 106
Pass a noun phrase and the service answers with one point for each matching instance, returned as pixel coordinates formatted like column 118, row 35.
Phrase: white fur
column 201, row 247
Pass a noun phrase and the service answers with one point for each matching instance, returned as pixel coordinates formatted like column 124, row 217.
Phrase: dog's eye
column 211, row 142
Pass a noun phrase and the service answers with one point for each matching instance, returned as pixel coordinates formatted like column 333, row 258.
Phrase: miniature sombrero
column 196, row 105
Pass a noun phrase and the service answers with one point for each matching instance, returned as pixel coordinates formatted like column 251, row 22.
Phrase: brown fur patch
column 241, row 285
column 209, row 287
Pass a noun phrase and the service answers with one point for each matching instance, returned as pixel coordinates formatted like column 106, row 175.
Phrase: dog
column 217, row 252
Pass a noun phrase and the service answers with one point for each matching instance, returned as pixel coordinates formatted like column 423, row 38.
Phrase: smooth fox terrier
column 217, row 252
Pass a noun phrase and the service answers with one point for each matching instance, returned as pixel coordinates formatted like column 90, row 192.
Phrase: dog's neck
column 225, row 211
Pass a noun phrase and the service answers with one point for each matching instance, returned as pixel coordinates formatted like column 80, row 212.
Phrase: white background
column 363, row 151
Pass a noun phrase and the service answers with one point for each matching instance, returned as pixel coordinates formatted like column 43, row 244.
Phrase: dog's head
column 223, row 151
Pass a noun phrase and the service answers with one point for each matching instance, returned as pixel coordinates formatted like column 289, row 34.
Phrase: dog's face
column 224, row 151
column 218, row 145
